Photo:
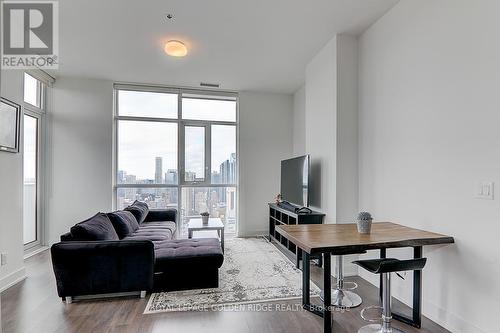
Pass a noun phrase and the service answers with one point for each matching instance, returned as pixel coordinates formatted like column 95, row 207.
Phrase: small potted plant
column 204, row 217
column 277, row 198
column 364, row 222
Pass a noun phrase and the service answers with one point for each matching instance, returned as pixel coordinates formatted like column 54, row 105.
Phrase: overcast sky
column 141, row 142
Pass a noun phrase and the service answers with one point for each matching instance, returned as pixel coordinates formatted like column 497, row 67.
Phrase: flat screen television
column 295, row 180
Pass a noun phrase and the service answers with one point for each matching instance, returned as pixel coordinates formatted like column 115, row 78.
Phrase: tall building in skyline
column 171, row 176
column 158, row 170
column 227, row 170
column 121, row 177
column 227, row 174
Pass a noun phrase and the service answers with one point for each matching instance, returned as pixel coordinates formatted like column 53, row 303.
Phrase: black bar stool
column 386, row 267
column 343, row 296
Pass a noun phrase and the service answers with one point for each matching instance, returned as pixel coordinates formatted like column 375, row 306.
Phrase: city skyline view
column 218, row 201
column 224, row 174
column 141, row 142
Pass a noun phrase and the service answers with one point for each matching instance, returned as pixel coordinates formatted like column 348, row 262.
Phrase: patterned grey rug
column 254, row 271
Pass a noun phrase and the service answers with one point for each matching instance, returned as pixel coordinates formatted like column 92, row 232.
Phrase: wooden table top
column 344, row 238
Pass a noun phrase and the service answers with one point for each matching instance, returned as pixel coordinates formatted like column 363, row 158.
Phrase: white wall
column 299, row 121
column 332, row 128
column 331, row 131
column 79, row 154
column 11, row 193
column 321, row 128
column 265, row 138
column 429, row 118
column 347, row 129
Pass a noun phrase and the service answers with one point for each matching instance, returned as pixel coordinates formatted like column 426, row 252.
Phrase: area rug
column 254, row 271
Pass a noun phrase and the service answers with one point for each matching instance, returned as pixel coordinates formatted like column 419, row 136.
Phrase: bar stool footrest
column 343, row 298
column 353, row 285
column 373, row 319
column 376, row 328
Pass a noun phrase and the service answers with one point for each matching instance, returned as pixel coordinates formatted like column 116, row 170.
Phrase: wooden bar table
column 339, row 239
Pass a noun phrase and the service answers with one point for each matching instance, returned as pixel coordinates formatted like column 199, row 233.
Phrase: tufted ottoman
column 187, row 264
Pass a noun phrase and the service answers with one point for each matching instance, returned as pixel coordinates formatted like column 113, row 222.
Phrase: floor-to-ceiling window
column 177, row 148
column 34, row 108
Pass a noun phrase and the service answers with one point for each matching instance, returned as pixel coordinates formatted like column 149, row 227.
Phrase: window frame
column 40, row 94
column 182, row 123
column 39, row 114
column 182, row 146
column 116, row 149
column 38, row 216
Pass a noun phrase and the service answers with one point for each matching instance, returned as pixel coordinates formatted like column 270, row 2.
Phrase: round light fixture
column 175, row 48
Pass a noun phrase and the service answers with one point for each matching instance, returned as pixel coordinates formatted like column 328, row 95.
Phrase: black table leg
column 306, row 283
column 416, row 320
column 327, row 290
column 417, row 290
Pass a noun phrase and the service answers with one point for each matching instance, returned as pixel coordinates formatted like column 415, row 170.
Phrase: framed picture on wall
column 10, row 119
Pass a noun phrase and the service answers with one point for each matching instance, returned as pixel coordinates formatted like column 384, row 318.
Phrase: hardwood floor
column 33, row 306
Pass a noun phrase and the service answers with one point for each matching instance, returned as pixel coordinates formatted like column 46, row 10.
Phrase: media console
column 281, row 216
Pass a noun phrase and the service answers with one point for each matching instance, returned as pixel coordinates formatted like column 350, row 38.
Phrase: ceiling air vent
column 210, row 85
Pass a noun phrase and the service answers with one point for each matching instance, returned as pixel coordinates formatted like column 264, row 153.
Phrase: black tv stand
column 280, row 216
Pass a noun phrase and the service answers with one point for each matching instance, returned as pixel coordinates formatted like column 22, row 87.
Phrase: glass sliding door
column 30, row 166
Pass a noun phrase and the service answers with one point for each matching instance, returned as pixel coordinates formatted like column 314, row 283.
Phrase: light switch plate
column 484, row 190
column 3, row 259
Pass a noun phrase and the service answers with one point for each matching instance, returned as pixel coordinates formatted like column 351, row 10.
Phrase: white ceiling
column 259, row 45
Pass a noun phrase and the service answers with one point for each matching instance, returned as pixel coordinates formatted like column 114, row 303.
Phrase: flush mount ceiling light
column 175, row 48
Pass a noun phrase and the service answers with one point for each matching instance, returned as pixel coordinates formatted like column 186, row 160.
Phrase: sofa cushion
column 153, row 234
column 96, row 228
column 155, row 215
column 139, row 209
column 160, row 225
column 188, row 254
column 124, row 223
